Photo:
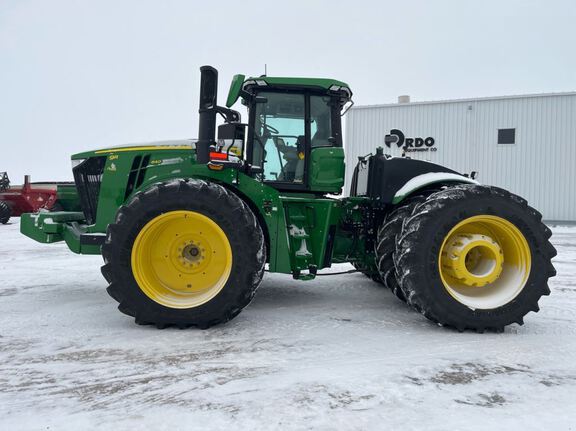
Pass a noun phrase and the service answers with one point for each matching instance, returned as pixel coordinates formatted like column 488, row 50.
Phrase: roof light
column 347, row 91
column 248, row 83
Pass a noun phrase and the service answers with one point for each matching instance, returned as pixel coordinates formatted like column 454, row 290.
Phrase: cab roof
column 322, row 83
column 240, row 82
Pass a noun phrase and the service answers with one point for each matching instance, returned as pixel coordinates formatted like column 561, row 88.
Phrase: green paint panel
column 308, row 227
column 327, row 169
column 163, row 164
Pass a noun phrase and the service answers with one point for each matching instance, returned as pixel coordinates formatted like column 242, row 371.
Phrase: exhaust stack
column 207, row 113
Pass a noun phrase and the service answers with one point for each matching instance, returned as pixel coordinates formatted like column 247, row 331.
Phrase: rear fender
column 389, row 180
column 426, row 180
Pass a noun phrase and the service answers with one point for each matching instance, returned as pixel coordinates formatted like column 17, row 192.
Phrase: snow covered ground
column 339, row 353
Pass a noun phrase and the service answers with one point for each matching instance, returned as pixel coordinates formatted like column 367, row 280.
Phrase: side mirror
column 231, row 131
column 231, row 139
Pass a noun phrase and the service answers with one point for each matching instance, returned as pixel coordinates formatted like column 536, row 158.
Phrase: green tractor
column 187, row 227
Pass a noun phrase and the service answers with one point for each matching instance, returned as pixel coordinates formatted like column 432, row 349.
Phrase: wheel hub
column 473, row 259
column 191, row 254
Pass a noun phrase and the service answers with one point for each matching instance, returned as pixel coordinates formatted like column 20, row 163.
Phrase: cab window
column 280, row 137
column 320, row 121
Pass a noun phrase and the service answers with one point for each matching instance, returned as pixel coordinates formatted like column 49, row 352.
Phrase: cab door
column 326, row 168
column 279, row 142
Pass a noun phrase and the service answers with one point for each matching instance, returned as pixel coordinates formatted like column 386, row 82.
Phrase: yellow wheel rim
column 484, row 262
column 181, row 259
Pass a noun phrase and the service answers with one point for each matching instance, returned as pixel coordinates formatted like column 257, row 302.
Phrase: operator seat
column 293, row 170
column 288, row 154
column 300, row 154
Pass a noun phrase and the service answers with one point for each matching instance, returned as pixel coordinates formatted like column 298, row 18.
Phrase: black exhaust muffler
column 207, row 111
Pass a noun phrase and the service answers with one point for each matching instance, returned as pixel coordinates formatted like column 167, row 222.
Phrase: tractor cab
column 295, row 132
column 293, row 138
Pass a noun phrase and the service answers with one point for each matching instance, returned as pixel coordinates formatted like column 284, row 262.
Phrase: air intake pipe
column 207, row 111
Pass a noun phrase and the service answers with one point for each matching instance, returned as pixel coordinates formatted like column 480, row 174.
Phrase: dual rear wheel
column 468, row 256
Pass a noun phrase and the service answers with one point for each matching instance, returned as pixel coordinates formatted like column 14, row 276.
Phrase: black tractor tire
column 223, row 207
column 423, row 234
column 5, row 212
column 387, row 235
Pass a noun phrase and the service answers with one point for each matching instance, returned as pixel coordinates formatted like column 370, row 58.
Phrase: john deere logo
column 396, row 137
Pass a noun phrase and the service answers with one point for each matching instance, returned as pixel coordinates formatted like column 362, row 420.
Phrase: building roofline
column 471, row 99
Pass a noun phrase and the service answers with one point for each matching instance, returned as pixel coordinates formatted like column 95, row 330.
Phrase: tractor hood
column 181, row 144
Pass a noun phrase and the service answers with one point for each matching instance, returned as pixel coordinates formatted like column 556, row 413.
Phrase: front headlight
column 77, row 162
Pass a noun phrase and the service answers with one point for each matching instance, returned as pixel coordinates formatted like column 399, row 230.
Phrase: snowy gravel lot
column 337, row 353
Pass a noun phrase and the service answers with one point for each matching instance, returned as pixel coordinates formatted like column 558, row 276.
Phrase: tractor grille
column 88, row 177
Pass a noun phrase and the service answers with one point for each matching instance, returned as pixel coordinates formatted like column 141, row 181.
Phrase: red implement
column 29, row 197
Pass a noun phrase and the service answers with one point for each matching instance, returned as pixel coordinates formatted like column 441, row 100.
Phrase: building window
column 506, row 136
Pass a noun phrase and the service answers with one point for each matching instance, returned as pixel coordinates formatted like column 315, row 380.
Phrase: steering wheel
column 272, row 129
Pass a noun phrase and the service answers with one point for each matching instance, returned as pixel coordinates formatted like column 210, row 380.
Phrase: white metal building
column 526, row 144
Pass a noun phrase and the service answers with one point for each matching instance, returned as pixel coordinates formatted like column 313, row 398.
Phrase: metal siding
column 539, row 167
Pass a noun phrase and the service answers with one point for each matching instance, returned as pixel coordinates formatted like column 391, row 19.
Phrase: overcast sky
column 77, row 75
